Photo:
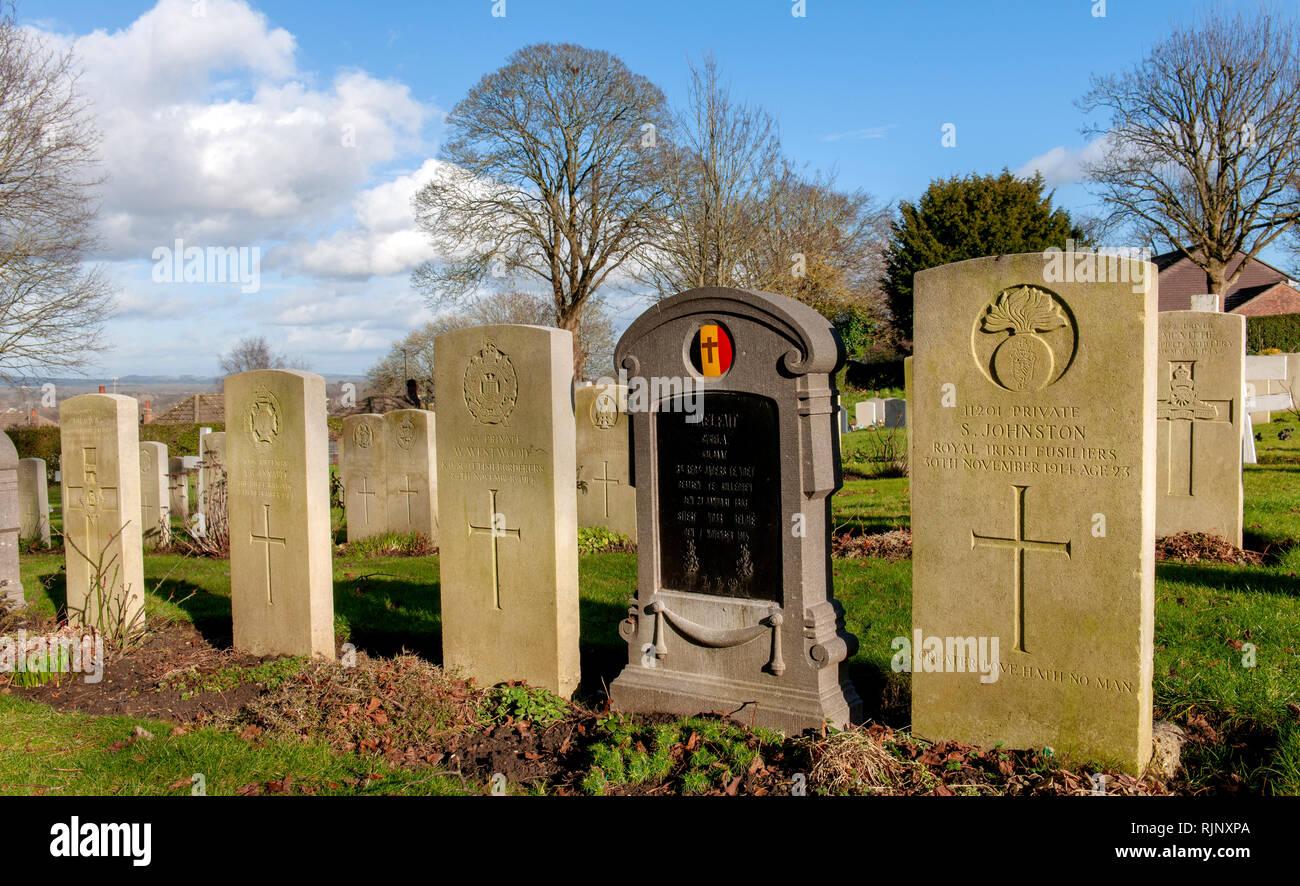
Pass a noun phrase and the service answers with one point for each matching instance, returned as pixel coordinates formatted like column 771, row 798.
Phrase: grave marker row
column 1052, row 432
column 388, row 467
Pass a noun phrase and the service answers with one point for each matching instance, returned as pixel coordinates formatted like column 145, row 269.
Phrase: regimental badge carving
column 1183, row 402
column 263, row 422
column 1183, row 411
column 1024, row 339
column 491, row 386
column 405, row 433
column 146, row 461
column 604, row 411
column 363, row 436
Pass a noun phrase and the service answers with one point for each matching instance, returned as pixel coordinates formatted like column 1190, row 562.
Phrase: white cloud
column 1062, row 166
column 385, row 239
column 212, row 134
column 870, row 132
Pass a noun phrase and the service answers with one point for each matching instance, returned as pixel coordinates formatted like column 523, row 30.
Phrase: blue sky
column 221, row 121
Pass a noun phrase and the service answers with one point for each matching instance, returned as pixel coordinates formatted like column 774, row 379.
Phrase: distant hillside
column 137, row 381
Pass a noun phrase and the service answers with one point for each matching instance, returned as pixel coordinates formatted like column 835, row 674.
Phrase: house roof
column 17, row 418
column 1166, row 259
column 1239, row 297
column 1181, row 278
column 195, row 408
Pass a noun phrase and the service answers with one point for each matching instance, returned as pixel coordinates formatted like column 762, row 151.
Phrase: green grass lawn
column 44, row 752
column 1205, row 616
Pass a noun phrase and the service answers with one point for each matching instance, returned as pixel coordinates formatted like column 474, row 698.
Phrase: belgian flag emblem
column 711, row 351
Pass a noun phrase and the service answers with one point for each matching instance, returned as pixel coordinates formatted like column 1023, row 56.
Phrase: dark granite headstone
column 736, row 453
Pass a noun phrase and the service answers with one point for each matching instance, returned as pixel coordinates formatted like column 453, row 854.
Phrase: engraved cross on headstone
column 496, row 534
column 1182, row 411
column 268, row 539
column 408, row 492
column 605, row 480
column 91, row 499
column 365, row 502
column 1021, row 546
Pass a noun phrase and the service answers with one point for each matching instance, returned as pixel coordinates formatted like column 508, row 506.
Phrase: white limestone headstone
column 99, row 436
column 11, row 583
column 1266, row 375
column 865, row 413
column 155, row 502
column 33, row 500
column 281, row 574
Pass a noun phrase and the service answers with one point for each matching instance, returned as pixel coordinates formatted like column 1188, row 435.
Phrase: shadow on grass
column 1248, row 758
column 874, row 525
column 1229, row 578
column 1274, row 548
column 603, row 652
column 388, row 615
column 886, row 696
column 209, row 612
column 56, row 588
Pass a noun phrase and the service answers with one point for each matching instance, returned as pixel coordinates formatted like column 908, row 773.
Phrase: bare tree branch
column 551, row 178
column 1203, row 140
column 412, row 357
column 723, row 162
column 52, row 307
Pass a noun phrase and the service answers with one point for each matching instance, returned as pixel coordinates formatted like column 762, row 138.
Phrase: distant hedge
column 1281, row 331
column 182, row 439
column 37, row 443
column 875, row 375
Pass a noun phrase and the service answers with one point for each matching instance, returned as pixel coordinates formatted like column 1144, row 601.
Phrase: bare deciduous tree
column 555, row 173
column 255, row 352
column 52, row 307
column 1202, row 144
column 723, row 159
column 821, row 246
column 738, row 215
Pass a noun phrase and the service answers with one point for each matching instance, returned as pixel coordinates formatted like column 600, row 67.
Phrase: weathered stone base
column 642, row 690
column 1167, row 741
column 1120, row 748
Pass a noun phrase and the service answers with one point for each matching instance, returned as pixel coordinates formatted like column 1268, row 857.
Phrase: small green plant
column 696, row 755
column 883, row 454
column 389, row 544
column 45, row 670
column 115, row 611
column 599, row 540
column 521, row 703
